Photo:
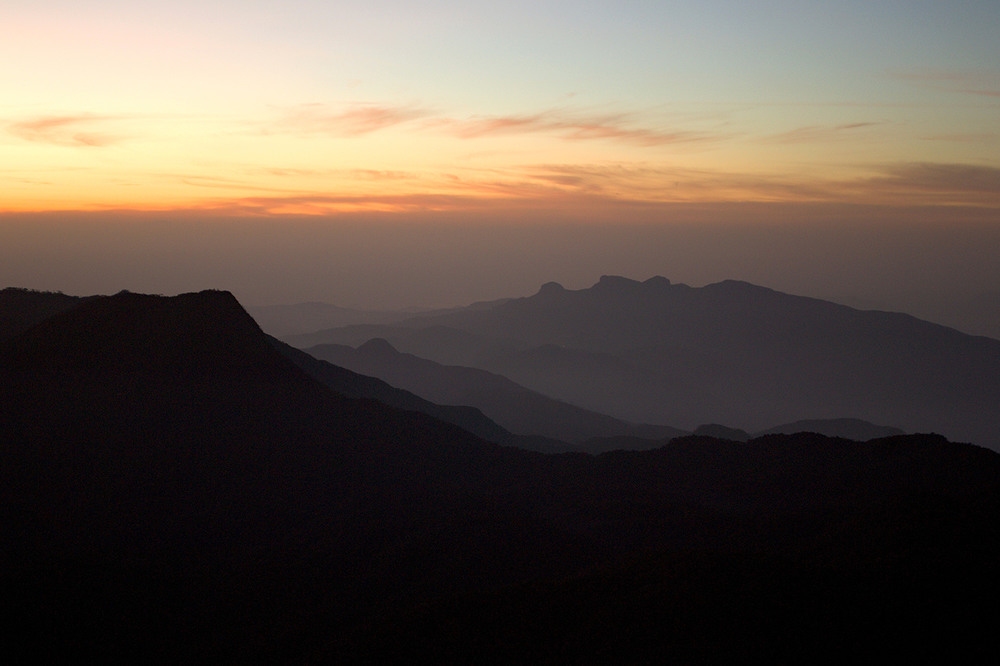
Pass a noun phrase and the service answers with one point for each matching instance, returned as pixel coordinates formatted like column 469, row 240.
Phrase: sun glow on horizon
column 320, row 109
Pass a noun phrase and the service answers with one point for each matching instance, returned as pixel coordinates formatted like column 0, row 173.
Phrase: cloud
column 357, row 120
column 659, row 184
column 921, row 183
column 359, row 174
column 326, row 204
column 575, row 187
column 568, row 126
column 621, row 180
column 361, row 119
column 817, row 133
column 65, row 130
column 965, row 179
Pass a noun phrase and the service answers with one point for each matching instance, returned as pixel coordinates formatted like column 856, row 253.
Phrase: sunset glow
column 313, row 107
column 547, row 140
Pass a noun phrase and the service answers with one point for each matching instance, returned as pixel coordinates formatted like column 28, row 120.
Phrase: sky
column 431, row 153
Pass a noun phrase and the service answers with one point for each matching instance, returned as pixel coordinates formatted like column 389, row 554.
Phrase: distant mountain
column 854, row 429
column 355, row 385
column 300, row 318
column 442, row 344
column 729, row 352
column 283, row 321
column 976, row 313
column 721, row 432
column 516, row 408
column 173, row 488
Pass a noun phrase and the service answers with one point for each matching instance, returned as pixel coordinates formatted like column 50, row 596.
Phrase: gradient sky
column 424, row 113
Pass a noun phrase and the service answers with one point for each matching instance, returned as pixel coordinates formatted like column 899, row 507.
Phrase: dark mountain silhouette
column 355, row 385
column 514, row 407
column 172, row 488
column 730, row 352
column 974, row 313
column 163, row 465
column 852, row 429
column 721, row 432
column 20, row 309
column 442, row 344
column 855, row 429
column 302, row 318
column 623, row 443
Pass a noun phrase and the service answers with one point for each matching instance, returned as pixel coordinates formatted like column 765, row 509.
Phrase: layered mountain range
column 518, row 409
column 174, row 487
column 730, row 353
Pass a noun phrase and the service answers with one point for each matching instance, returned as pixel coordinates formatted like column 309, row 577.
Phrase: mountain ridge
column 173, row 488
column 729, row 352
column 518, row 409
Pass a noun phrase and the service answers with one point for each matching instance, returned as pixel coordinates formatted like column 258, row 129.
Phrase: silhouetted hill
column 442, row 344
column 300, row 318
column 516, row 408
column 355, row 385
column 283, row 321
column 168, row 476
column 974, row 313
column 172, row 488
column 852, row 429
column 625, row 443
column 721, row 432
column 828, row 572
column 729, row 352
column 20, row 309
column 856, row 429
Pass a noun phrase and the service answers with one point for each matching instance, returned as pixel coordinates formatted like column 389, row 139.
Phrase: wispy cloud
column 902, row 183
column 659, row 184
column 818, row 133
column 324, row 204
column 363, row 118
column 579, row 187
column 569, row 126
column 940, row 179
column 82, row 130
column 359, row 174
column 356, row 120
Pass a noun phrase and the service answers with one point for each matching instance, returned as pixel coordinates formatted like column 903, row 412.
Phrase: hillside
column 516, row 408
column 173, row 488
column 730, row 352
column 20, row 309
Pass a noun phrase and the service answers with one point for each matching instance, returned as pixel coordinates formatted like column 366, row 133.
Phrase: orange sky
column 394, row 153
column 317, row 108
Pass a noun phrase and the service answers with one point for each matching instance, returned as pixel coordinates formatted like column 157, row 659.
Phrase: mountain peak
column 377, row 347
column 551, row 288
column 623, row 285
column 721, row 432
column 148, row 334
column 20, row 309
column 616, row 283
column 657, row 282
column 737, row 286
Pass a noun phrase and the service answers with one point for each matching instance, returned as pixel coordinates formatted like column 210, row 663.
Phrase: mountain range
column 731, row 352
column 516, row 408
column 173, row 487
column 301, row 318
